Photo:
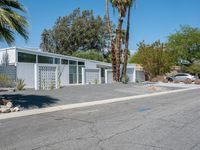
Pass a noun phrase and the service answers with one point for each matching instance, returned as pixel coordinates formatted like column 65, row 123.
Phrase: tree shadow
column 30, row 101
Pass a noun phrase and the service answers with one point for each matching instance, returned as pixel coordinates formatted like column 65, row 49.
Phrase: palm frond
column 12, row 22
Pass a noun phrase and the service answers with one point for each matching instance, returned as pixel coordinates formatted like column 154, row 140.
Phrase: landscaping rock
column 188, row 81
column 5, row 110
column 16, row 109
column 197, row 81
column 9, row 105
column 160, row 78
column 165, row 81
column 4, row 101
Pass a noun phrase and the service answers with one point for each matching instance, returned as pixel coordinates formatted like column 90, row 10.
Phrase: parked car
column 181, row 77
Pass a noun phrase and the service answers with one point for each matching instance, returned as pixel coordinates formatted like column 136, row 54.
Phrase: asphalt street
column 167, row 122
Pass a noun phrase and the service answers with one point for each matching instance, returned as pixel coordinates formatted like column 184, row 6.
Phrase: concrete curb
column 85, row 104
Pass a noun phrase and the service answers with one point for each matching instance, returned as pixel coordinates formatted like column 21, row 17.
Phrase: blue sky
column 151, row 19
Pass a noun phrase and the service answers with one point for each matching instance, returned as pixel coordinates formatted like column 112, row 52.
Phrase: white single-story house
column 43, row 70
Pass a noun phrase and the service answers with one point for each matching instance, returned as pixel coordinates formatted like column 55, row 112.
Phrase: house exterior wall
column 25, row 71
column 64, row 78
column 92, row 74
column 11, row 55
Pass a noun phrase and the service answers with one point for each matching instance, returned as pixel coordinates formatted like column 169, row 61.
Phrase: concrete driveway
column 30, row 99
column 167, row 122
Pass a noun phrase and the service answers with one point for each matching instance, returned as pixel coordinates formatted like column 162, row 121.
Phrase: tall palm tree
column 112, row 42
column 129, row 5
column 11, row 21
column 121, row 7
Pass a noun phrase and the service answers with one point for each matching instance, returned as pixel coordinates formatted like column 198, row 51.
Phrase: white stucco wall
column 64, row 69
column 11, row 55
column 25, row 71
column 90, row 65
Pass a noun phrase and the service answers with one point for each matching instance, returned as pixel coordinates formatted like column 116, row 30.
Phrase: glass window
column 71, row 62
column 81, row 63
column 80, row 74
column 57, row 61
column 44, row 59
column 24, row 57
column 72, row 74
column 64, row 61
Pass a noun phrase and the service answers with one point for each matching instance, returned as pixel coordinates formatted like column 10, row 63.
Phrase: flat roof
column 39, row 51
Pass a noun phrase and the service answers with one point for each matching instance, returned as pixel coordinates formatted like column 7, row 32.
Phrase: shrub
column 197, row 81
column 5, row 81
column 95, row 81
column 188, row 81
column 20, row 84
column 125, row 81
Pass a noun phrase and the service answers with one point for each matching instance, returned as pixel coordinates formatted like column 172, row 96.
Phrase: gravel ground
column 29, row 98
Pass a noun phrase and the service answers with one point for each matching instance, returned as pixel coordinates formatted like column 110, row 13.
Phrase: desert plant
column 52, row 85
column 126, row 80
column 95, row 81
column 5, row 81
column 20, row 85
column 197, row 81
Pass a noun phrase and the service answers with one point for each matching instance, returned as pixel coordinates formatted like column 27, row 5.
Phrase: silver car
column 181, row 77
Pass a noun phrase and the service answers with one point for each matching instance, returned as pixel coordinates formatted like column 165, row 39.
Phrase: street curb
column 85, row 104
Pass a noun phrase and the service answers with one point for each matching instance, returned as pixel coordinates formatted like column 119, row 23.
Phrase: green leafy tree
column 154, row 58
column 78, row 31
column 134, row 58
column 90, row 54
column 185, row 44
column 194, row 68
column 11, row 21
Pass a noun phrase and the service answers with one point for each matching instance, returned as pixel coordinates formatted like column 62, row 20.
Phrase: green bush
column 20, row 84
column 5, row 81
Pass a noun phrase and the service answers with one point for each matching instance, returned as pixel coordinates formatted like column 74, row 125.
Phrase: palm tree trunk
column 111, row 41
column 126, row 44
column 118, row 50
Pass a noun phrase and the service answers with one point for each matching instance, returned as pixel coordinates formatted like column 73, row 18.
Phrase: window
column 71, row 62
column 80, row 74
column 57, row 61
column 44, row 59
column 28, row 58
column 72, row 74
column 64, row 61
column 81, row 63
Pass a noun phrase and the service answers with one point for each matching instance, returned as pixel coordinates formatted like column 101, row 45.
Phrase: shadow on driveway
column 30, row 101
